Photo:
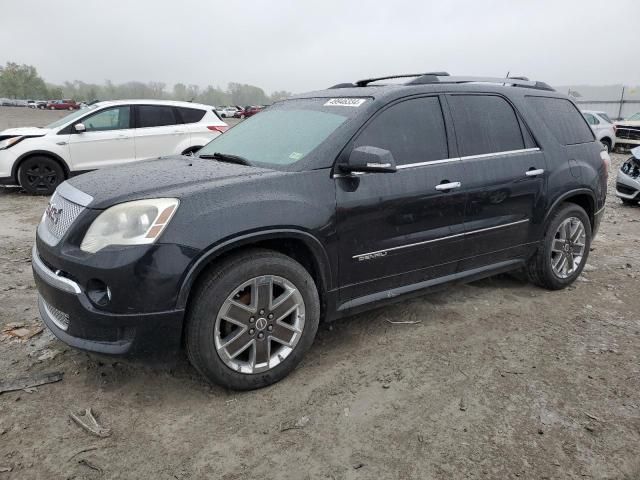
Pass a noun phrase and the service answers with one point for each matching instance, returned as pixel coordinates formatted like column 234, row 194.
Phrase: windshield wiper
column 226, row 157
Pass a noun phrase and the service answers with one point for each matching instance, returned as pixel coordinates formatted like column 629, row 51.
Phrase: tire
column 607, row 144
column 540, row 270
column 629, row 202
column 52, row 108
column 219, row 292
column 40, row 175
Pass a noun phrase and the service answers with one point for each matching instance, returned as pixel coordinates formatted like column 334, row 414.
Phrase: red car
column 63, row 105
column 251, row 111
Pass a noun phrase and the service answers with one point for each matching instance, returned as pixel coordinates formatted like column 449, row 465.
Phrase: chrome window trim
column 71, row 193
column 448, row 160
column 463, row 234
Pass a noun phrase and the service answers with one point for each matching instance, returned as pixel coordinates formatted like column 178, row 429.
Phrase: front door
column 106, row 141
column 402, row 228
column 506, row 185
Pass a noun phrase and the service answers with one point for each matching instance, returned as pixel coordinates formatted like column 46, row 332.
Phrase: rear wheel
column 252, row 319
column 564, row 250
column 40, row 175
column 607, row 144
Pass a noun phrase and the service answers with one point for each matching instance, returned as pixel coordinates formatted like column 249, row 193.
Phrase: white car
column 602, row 126
column 225, row 112
column 104, row 134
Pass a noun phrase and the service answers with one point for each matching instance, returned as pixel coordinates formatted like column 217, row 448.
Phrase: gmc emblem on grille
column 53, row 213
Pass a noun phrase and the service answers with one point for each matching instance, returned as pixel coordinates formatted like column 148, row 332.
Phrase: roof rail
column 515, row 81
column 444, row 77
column 364, row 83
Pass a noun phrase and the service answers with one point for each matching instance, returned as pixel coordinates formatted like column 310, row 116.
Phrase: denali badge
column 53, row 213
column 371, row 256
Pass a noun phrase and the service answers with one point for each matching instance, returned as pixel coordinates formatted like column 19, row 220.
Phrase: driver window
column 116, row 118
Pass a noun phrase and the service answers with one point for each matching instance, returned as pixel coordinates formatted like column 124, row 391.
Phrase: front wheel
column 39, row 175
column 564, row 250
column 252, row 319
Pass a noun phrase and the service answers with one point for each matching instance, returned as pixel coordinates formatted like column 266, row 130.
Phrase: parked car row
column 239, row 112
column 101, row 135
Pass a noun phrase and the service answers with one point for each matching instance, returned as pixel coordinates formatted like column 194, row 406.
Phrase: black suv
column 324, row 205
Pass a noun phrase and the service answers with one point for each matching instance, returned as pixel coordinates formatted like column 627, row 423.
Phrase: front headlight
column 133, row 223
column 9, row 142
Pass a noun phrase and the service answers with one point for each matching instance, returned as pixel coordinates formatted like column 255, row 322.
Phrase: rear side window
column 413, row 131
column 485, row 124
column 563, row 119
column 155, row 116
column 191, row 115
column 591, row 120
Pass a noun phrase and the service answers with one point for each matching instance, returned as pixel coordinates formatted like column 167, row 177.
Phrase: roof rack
column 364, row 83
column 444, row 77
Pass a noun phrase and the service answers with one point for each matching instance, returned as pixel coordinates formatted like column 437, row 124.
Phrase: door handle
column 448, row 186
column 535, row 172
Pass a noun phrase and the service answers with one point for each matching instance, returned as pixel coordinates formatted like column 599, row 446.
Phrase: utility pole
column 621, row 102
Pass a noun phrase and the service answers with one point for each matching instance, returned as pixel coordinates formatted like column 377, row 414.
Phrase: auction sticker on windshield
column 345, row 102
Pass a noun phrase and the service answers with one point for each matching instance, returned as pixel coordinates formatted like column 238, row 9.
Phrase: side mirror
column 371, row 160
column 79, row 127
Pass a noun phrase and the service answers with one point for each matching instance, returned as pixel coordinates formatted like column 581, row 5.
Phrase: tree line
column 24, row 82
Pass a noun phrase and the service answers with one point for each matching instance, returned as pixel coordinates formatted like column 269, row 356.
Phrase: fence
column 616, row 109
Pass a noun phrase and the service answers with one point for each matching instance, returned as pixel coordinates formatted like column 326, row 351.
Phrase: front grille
column 58, row 317
column 60, row 215
column 628, row 133
column 622, row 188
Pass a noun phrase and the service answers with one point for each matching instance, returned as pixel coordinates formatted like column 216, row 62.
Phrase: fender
column 320, row 257
column 564, row 196
column 47, row 153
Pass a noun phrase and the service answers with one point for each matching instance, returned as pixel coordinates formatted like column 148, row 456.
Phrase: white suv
column 103, row 135
column 603, row 128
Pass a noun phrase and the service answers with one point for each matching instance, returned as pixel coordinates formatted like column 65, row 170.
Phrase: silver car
column 628, row 181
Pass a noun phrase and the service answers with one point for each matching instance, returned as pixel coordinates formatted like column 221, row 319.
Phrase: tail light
column 218, row 128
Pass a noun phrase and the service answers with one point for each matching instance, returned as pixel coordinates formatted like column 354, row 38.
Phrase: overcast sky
column 309, row 44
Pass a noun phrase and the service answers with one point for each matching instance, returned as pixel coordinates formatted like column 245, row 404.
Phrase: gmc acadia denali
column 325, row 204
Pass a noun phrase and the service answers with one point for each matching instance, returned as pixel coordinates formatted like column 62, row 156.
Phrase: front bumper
column 68, row 312
column 7, row 160
column 627, row 186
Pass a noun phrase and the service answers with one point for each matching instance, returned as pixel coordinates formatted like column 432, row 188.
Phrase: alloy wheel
column 259, row 324
column 568, row 247
column 41, row 177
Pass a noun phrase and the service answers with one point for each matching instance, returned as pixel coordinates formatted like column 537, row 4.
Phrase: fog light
column 98, row 292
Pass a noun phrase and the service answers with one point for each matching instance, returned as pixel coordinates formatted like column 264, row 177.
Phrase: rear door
column 507, row 178
column 158, row 131
column 398, row 229
column 107, row 139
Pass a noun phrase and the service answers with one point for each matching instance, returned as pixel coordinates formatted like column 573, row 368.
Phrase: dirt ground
column 498, row 380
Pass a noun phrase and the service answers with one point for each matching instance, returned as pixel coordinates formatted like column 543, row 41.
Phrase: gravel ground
column 499, row 379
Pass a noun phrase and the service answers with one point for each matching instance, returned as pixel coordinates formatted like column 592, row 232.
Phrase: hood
column 628, row 123
column 30, row 131
column 175, row 177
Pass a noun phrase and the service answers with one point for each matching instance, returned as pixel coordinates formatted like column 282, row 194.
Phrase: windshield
column 283, row 134
column 605, row 117
column 71, row 117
